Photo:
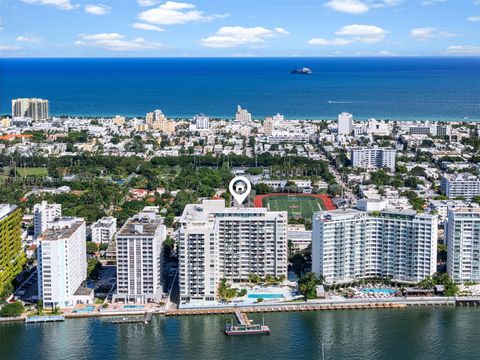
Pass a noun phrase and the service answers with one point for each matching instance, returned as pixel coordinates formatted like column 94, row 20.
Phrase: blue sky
column 90, row 28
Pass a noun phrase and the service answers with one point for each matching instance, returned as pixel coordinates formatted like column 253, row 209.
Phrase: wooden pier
column 242, row 318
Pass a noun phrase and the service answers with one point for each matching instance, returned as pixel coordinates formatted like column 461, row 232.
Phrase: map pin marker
column 240, row 188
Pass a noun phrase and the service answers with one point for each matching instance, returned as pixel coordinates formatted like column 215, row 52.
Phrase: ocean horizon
column 393, row 88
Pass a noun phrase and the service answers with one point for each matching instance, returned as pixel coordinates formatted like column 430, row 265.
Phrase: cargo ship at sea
column 302, row 71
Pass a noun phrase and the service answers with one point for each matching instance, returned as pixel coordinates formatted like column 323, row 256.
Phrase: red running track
column 327, row 201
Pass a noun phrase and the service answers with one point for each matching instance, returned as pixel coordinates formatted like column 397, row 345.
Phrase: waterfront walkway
column 284, row 308
column 311, row 305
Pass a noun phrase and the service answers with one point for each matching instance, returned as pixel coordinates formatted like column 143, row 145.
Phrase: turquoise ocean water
column 384, row 88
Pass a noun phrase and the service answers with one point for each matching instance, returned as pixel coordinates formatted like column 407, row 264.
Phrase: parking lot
column 106, row 280
column 27, row 291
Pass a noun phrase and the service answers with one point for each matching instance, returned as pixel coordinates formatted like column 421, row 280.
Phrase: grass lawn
column 32, row 171
column 297, row 206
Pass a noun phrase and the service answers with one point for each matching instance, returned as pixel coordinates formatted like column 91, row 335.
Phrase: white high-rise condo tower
column 36, row 109
column 345, row 123
column 43, row 214
column 463, row 243
column 140, row 258
column 104, row 230
column 460, row 185
column 351, row 244
column 218, row 242
column 62, row 262
column 201, row 121
column 375, row 157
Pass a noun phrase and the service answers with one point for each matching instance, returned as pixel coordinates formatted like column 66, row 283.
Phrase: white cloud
column 428, row 33
column 431, row 2
column 61, row 4
column 348, row 6
column 473, row 18
column 232, row 36
column 243, row 55
column 9, row 47
column 27, row 39
column 463, row 50
column 116, row 42
column 148, row 27
column 386, row 53
column 98, row 9
column 351, row 34
column 147, row 3
column 363, row 33
column 383, row 53
column 359, row 6
column 172, row 13
column 325, row 42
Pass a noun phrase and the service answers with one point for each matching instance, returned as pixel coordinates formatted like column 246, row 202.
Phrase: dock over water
column 133, row 319
column 245, row 326
column 43, row 319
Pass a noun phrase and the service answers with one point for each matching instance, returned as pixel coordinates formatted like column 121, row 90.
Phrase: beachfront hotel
column 353, row 244
column 36, row 109
column 345, row 123
column 463, row 244
column 201, row 122
column 12, row 257
column 140, row 258
column 217, row 242
column 62, row 264
column 242, row 115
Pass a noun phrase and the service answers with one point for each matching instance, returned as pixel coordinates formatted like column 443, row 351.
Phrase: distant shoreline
column 288, row 118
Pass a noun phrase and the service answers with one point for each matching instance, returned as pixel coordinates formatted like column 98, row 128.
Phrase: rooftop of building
column 374, row 147
column 461, row 177
column 6, row 209
column 211, row 209
column 349, row 213
column 466, row 210
column 452, row 202
column 144, row 223
column 104, row 222
column 62, row 229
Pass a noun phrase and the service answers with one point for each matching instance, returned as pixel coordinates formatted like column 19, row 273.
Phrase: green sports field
column 297, row 206
column 32, row 171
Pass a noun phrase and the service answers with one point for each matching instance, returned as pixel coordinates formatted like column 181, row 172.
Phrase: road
column 347, row 193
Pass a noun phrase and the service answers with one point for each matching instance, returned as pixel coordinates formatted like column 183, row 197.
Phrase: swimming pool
column 133, row 306
column 86, row 309
column 378, row 291
column 265, row 296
